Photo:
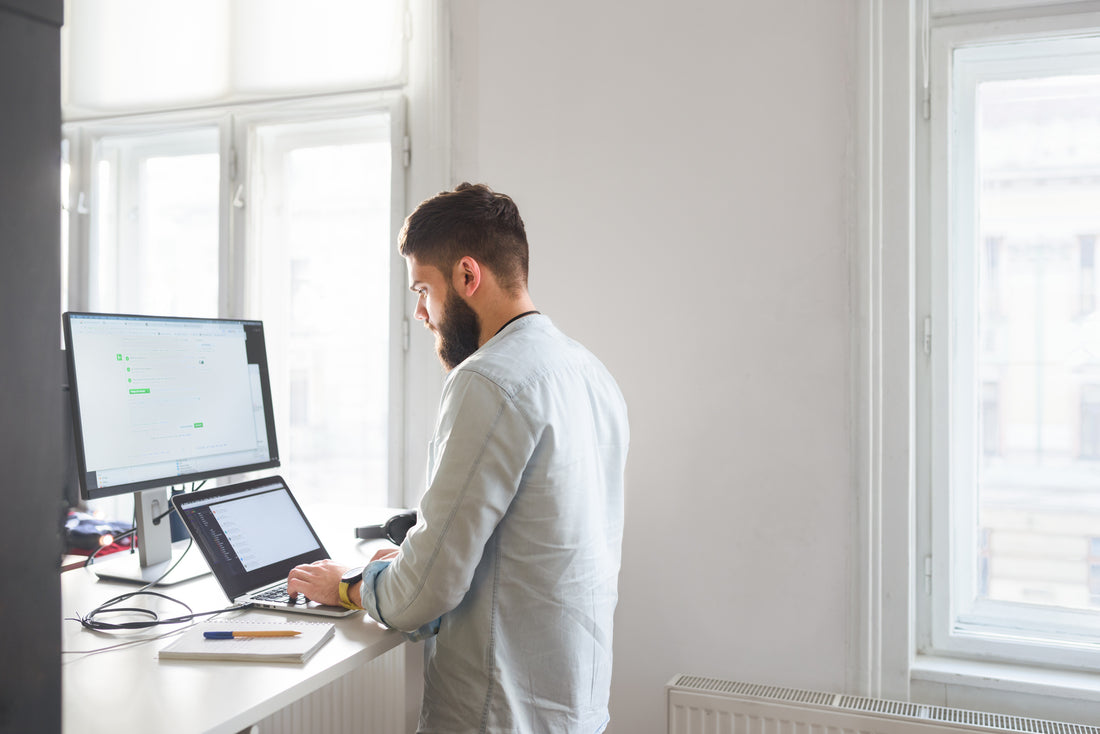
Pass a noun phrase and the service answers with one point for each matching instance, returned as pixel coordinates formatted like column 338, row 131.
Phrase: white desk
column 130, row 690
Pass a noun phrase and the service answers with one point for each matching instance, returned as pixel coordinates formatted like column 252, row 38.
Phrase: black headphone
column 395, row 529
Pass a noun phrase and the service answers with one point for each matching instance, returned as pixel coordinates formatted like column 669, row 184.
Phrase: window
column 261, row 177
column 991, row 279
column 1087, row 270
column 1090, row 423
column 1094, row 570
column 154, row 218
column 1013, row 432
column 991, row 419
column 320, row 228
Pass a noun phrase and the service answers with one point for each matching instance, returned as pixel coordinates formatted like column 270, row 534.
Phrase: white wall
column 685, row 172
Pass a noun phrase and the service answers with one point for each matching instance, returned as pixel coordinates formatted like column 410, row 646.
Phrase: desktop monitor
column 159, row 401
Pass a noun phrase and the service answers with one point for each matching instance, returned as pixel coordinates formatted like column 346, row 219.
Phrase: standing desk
column 131, row 690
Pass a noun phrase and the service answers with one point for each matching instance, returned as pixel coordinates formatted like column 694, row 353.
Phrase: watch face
column 352, row 575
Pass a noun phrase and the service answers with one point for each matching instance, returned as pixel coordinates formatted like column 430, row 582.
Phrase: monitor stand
column 156, row 551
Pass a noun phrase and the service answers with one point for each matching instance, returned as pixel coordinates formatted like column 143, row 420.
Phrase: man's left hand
column 386, row 554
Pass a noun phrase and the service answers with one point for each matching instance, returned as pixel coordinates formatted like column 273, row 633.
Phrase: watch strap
column 345, row 587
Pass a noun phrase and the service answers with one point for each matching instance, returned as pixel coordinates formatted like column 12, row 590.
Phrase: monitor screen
column 160, row 400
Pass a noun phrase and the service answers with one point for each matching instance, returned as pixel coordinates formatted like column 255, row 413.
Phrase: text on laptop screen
column 251, row 534
column 256, row 528
column 159, row 401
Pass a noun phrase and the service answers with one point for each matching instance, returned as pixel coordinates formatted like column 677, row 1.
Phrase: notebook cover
column 192, row 645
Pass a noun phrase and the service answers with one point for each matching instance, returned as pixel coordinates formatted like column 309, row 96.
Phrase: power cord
column 129, row 533
column 144, row 640
column 90, row 621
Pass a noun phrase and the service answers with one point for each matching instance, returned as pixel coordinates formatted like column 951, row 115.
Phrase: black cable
column 128, row 533
column 133, row 524
column 146, row 639
column 89, row 620
column 124, row 536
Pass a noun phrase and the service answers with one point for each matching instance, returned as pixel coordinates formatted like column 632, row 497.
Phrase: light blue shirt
column 514, row 560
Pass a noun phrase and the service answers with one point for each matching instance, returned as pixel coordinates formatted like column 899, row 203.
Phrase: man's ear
column 466, row 276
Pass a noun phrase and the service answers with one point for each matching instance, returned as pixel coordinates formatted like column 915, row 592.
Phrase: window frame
column 236, row 279
column 944, row 519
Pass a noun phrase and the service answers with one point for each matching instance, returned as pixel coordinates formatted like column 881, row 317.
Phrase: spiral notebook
column 192, row 645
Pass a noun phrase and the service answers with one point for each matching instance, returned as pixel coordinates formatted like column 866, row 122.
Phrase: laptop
column 252, row 534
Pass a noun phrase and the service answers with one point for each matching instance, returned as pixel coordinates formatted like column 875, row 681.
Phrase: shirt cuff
column 369, row 593
column 431, row 629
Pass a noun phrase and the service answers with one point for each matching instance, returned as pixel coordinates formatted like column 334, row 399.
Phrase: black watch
column 350, row 578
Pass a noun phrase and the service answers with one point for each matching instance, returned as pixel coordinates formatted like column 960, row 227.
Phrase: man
column 511, row 571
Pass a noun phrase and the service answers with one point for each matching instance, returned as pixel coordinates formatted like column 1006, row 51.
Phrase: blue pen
column 229, row 635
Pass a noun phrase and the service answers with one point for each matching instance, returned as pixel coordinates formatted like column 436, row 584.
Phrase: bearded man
column 510, row 574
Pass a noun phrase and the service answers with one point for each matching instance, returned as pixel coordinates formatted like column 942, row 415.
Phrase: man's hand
column 319, row 581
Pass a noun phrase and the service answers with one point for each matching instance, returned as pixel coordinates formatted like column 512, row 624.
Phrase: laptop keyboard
column 279, row 595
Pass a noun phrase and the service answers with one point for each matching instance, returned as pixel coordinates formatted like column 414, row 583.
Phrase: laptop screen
column 251, row 534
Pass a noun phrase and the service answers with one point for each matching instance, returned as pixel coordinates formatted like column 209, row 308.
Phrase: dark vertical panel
column 46, row 11
column 31, row 455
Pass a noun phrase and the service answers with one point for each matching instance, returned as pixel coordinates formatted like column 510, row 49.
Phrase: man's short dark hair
column 475, row 221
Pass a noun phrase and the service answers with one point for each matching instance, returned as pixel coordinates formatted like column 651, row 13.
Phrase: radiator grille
column 367, row 699
column 773, row 693
column 922, row 713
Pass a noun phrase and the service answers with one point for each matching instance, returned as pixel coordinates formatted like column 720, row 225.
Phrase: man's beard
column 458, row 332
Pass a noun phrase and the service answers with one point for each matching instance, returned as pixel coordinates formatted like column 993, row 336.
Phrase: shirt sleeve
column 370, row 602
column 481, row 447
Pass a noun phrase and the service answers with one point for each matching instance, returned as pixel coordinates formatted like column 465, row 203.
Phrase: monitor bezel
column 94, row 492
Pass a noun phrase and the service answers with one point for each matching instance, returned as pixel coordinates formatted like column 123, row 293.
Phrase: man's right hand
column 319, row 581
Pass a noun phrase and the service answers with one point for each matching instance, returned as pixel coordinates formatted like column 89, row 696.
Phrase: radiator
column 699, row 705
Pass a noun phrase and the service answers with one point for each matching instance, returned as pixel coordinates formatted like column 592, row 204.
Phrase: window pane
column 323, row 240
column 1038, row 159
column 155, row 248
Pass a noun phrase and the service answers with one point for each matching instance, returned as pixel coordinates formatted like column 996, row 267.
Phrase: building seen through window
column 1038, row 175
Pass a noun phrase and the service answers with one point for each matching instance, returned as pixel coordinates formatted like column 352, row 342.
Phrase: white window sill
column 1018, row 690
